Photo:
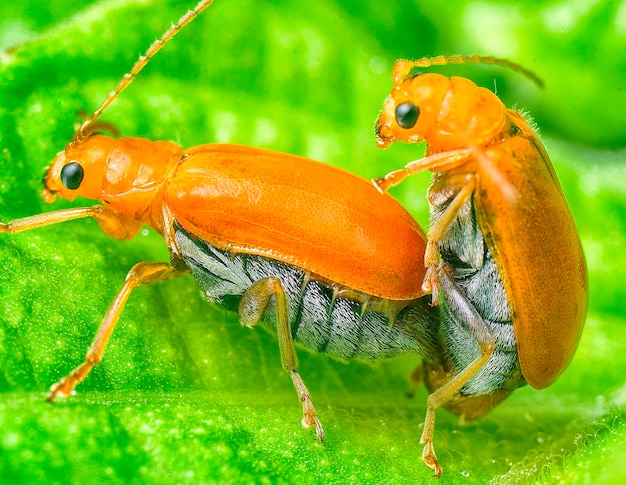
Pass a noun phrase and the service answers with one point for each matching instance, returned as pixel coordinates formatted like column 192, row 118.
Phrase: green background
column 184, row 394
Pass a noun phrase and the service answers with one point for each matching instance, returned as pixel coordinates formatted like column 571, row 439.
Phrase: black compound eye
column 72, row 175
column 406, row 115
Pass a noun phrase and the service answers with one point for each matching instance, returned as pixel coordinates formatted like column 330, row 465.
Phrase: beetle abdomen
column 475, row 278
column 321, row 319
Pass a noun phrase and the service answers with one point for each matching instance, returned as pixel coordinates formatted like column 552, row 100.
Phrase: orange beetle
column 503, row 255
column 318, row 254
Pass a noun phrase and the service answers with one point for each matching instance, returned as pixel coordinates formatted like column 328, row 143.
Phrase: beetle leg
column 115, row 226
column 169, row 234
column 415, row 379
column 251, row 308
column 438, row 228
column 439, row 162
column 109, row 222
column 478, row 329
column 140, row 274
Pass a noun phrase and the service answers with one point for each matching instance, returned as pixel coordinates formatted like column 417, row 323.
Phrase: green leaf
column 184, row 394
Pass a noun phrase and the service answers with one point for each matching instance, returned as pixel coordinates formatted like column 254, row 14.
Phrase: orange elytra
column 502, row 246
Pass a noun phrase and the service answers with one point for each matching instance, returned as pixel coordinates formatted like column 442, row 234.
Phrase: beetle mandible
column 503, row 255
column 316, row 253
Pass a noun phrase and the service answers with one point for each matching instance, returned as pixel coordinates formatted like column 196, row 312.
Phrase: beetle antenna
column 87, row 128
column 441, row 60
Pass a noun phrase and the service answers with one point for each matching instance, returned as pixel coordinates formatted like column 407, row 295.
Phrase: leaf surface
column 184, row 394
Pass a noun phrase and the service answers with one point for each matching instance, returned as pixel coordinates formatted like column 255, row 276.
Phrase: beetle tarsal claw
column 430, row 459
column 308, row 421
column 61, row 389
column 379, row 184
column 309, row 417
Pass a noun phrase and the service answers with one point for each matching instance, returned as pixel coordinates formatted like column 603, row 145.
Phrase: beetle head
column 124, row 173
column 447, row 113
column 410, row 111
column 79, row 170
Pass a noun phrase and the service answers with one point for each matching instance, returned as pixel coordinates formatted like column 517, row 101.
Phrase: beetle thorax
column 468, row 116
column 125, row 173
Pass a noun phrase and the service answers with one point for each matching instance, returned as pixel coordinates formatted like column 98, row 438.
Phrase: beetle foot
column 430, row 459
column 62, row 389
column 310, row 419
column 65, row 387
column 392, row 179
column 430, row 285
